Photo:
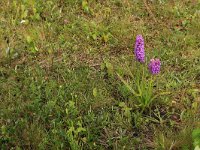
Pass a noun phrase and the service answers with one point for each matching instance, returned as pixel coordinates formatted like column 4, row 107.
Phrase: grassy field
column 68, row 75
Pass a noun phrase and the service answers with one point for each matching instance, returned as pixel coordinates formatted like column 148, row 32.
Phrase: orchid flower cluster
column 141, row 86
column 154, row 64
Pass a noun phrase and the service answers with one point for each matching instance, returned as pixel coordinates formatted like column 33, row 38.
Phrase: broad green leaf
column 128, row 86
column 122, row 104
column 110, row 69
column 197, row 147
column 95, row 92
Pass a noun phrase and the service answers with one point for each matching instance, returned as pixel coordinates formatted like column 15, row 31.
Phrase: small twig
column 95, row 65
column 149, row 11
column 172, row 145
column 52, row 61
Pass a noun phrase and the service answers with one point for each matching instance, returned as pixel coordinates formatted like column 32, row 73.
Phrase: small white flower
column 23, row 21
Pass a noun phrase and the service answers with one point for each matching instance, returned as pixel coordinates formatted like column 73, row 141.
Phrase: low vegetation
column 69, row 78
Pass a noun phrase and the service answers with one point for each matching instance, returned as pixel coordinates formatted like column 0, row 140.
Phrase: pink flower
column 139, row 49
column 154, row 66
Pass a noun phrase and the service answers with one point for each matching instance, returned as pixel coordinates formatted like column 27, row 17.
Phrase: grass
column 59, row 87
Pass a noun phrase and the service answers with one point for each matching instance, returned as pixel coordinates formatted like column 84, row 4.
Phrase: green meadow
column 69, row 78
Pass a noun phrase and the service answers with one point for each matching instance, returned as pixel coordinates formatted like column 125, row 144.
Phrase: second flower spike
column 154, row 66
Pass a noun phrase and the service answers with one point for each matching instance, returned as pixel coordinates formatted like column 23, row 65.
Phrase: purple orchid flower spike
column 139, row 49
column 154, row 66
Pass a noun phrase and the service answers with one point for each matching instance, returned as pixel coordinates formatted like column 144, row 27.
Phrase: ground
column 66, row 67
